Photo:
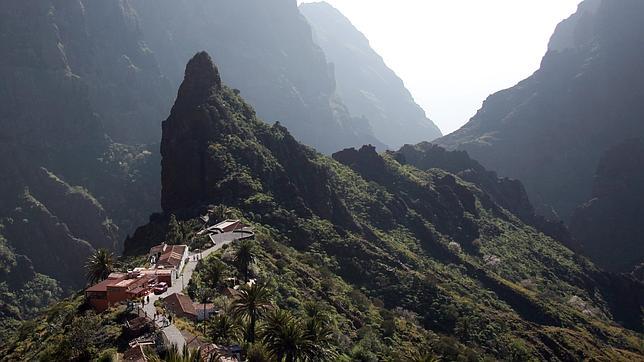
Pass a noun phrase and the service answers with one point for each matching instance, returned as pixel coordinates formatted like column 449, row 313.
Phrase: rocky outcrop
column 207, row 122
column 447, row 203
column 610, row 226
column 186, row 136
column 506, row 192
column 364, row 82
column 550, row 130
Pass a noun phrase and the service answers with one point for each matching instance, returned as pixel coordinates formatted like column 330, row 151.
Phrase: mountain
column 610, row 224
column 86, row 85
column 551, row 130
column 375, row 239
column 266, row 50
column 364, row 82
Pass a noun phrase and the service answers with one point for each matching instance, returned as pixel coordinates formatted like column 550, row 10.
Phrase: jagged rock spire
column 186, row 134
column 200, row 81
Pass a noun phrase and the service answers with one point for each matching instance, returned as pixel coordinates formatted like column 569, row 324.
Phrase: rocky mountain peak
column 192, row 122
column 200, row 81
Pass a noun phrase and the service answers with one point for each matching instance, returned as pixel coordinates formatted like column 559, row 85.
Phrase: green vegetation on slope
column 423, row 241
column 406, row 262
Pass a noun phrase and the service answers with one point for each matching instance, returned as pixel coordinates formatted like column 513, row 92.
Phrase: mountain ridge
column 392, row 230
column 368, row 87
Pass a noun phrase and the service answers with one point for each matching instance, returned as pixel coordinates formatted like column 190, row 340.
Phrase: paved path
column 171, row 332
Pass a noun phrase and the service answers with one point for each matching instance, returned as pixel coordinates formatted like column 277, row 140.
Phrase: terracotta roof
column 121, row 281
column 177, row 302
column 173, row 255
column 112, row 279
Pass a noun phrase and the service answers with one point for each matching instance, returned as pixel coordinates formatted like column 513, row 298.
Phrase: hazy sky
column 452, row 54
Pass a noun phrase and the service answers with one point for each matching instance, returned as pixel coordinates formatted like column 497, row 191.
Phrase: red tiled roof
column 172, row 255
column 102, row 286
column 180, row 303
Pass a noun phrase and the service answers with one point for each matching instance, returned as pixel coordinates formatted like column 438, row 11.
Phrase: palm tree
column 99, row 265
column 320, row 338
column 284, row 336
column 244, row 256
column 223, row 328
column 315, row 310
column 257, row 352
column 425, row 357
column 251, row 303
column 213, row 272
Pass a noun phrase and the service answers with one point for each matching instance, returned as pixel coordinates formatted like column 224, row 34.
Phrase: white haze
column 452, row 54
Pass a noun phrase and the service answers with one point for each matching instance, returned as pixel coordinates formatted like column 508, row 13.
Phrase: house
column 164, row 275
column 180, row 305
column 204, row 311
column 228, row 226
column 119, row 287
column 172, row 257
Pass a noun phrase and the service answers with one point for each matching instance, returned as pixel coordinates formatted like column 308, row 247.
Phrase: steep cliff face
column 550, row 130
column 422, row 240
column 65, row 89
column 610, row 226
column 265, row 49
column 98, row 44
column 364, row 82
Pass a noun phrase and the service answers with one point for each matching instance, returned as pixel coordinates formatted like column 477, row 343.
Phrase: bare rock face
column 610, row 226
column 551, row 129
column 186, row 134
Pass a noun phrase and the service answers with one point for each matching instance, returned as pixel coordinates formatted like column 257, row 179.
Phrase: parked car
column 160, row 288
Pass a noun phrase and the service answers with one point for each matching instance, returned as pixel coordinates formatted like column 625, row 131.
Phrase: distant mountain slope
column 365, row 83
column 550, row 130
column 266, row 50
column 424, row 241
column 610, row 226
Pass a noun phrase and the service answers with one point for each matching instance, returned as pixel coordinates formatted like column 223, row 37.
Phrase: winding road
column 171, row 332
